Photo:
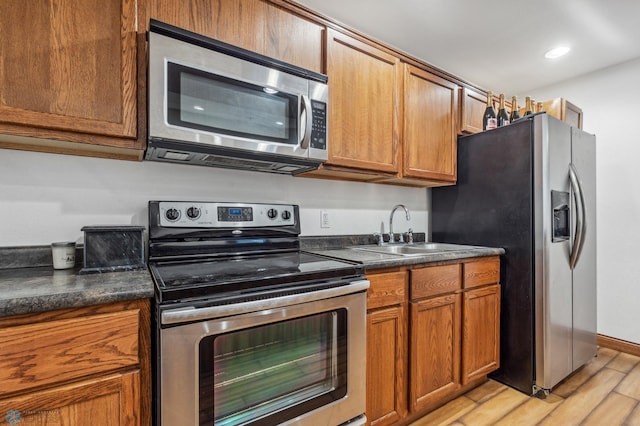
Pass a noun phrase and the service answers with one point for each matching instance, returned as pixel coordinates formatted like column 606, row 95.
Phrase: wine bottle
column 539, row 107
column 515, row 112
column 527, row 107
column 490, row 120
column 503, row 117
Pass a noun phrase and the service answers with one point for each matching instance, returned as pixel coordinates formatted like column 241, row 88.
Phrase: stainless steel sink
column 441, row 246
column 416, row 249
column 402, row 250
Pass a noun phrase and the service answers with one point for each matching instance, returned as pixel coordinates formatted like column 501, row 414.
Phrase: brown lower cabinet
column 77, row 366
column 387, row 347
column 432, row 334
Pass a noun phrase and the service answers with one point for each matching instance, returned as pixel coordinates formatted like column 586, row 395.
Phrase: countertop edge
column 33, row 305
column 36, row 290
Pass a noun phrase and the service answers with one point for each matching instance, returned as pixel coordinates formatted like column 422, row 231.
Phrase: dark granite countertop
column 29, row 284
column 32, row 290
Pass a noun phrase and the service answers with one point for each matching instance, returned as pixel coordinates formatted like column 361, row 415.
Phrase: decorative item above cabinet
column 564, row 110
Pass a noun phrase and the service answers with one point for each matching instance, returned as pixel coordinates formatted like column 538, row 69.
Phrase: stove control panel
column 188, row 214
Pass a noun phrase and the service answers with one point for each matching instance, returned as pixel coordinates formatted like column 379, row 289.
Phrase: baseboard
column 619, row 345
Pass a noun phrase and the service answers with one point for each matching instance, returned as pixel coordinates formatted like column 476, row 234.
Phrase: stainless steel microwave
column 214, row 104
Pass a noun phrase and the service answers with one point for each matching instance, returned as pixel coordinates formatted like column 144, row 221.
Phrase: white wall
column 49, row 197
column 610, row 100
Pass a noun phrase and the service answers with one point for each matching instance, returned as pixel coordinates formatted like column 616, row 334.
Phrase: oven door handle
column 191, row 313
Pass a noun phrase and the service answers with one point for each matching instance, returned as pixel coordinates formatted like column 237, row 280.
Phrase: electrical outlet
column 324, row 219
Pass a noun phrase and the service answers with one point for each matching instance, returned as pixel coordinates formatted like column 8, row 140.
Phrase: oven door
column 291, row 363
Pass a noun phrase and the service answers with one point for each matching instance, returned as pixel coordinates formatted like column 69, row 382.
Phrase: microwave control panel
column 319, row 125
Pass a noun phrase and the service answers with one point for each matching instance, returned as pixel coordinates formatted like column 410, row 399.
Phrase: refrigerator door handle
column 581, row 223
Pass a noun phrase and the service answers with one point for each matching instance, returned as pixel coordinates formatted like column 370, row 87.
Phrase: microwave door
column 233, row 113
column 214, row 104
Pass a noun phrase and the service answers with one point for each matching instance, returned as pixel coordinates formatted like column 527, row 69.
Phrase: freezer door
column 583, row 147
column 553, row 289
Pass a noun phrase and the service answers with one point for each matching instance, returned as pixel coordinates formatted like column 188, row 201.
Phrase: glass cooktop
column 227, row 277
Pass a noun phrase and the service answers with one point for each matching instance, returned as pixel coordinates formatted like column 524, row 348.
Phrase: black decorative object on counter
column 113, row 248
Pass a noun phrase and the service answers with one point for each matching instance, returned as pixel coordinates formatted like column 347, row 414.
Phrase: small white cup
column 63, row 254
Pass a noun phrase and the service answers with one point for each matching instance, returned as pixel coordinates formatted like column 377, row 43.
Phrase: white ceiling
column 499, row 44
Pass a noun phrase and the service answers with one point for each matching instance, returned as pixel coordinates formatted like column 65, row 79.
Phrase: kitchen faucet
column 392, row 237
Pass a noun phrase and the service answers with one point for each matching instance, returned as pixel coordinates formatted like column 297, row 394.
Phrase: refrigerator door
column 583, row 147
column 553, row 281
column 492, row 205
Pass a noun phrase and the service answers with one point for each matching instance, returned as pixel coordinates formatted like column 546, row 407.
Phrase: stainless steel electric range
column 249, row 329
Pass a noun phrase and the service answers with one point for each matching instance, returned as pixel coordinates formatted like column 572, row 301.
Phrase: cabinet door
column 472, row 108
column 93, row 344
column 481, row 332
column 363, row 105
column 255, row 25
column 107, row 401
column 386, row 378
column 430, row 139
column 69, row 66
column 434, row 350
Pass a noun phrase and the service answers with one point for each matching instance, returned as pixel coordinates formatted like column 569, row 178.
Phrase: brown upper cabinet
column 255, row 25
column 429, row 139
column 68, row 77
column 472, row 106
column 364, row 107
column 473, row 103
column 389, row 122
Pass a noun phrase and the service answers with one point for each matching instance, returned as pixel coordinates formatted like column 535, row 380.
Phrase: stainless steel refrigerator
column 530, row 188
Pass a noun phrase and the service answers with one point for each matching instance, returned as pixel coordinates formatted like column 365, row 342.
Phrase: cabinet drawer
column 434, row 280
column 481, row 273
column 39, row 354
column 386, row 289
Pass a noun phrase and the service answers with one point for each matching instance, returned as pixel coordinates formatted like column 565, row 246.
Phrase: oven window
column 268, row 374
column 205, row 101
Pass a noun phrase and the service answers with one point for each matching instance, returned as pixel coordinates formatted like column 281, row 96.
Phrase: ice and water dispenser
column 561, row 216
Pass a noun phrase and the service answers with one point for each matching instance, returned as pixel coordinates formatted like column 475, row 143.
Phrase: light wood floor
column 605, row 392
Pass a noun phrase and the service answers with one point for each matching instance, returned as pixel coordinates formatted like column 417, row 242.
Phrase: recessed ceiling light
column 556, row 52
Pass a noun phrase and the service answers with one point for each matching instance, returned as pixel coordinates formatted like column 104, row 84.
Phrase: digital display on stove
column 235, row 214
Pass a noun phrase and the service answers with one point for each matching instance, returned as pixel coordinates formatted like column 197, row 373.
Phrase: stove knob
column 172, row 214
column 272, row 213
column 193, row 212
column 286, row 215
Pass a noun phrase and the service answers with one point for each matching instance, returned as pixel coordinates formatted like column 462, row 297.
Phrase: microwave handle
column 306, row 116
